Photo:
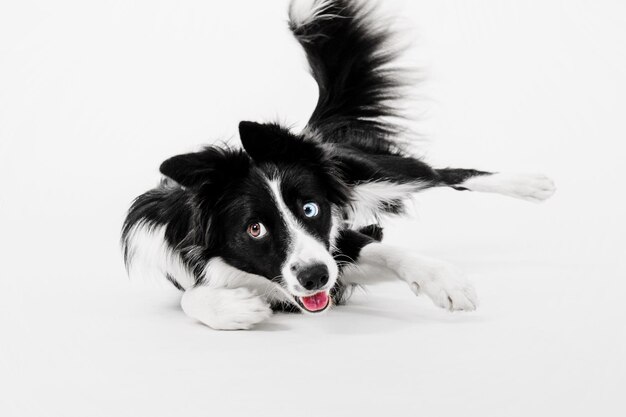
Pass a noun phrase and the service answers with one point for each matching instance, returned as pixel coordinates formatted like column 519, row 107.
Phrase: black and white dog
column 291, row 221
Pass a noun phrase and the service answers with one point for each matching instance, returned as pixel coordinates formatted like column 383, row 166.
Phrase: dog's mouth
column 315, row 303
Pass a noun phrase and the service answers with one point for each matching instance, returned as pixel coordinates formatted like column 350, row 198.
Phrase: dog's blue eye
column 311, row 209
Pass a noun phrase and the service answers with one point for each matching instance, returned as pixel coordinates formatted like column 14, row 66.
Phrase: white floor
column 92, row 98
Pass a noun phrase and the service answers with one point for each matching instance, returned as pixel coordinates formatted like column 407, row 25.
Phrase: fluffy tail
column 351, row 60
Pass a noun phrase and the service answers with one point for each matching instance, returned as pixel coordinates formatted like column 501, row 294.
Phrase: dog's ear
column 211, row 165
column 271, row 142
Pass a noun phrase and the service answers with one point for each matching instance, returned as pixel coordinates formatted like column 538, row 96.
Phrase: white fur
column 337, row 221
column 230, row 299
column 302, row 12
column 150, row 256
column 531, row 187
column 219, row 274
column 225, row 308
column 304, row 248
column 369, row 198
column 441, row 282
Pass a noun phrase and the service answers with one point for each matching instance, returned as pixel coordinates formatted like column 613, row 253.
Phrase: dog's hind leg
column 531, row 187
column 382, row 179
column 371, row 262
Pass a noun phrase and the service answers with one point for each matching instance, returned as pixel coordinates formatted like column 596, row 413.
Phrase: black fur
column 351, row 60
column 210, row 197
column 225, row 190
column 454, row 176
column 349, row 245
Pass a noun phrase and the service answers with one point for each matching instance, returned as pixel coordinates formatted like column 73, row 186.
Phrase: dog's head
column 272, row 210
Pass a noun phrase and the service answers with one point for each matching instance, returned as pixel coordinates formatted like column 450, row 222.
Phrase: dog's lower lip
column 316, row 302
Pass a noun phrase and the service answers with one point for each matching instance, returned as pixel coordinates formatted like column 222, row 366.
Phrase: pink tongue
column 316, row 301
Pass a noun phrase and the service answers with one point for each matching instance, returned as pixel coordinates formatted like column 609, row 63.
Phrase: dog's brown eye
column 257, row 230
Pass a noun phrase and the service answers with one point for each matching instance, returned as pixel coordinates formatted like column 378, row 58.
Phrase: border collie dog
column 290, row 221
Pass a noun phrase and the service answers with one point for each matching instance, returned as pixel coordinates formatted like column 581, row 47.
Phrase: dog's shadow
column 360, row 318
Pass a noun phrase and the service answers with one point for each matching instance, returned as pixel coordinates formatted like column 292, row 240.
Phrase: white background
column 94, row 95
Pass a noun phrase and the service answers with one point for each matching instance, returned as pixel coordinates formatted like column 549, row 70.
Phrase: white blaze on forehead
column 336, row 221
column 304, row 249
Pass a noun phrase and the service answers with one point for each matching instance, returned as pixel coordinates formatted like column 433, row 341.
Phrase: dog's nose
column 313, row 277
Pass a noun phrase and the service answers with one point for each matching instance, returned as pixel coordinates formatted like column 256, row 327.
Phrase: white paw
column 225, row 309
column 447, row 288
column 530, row 187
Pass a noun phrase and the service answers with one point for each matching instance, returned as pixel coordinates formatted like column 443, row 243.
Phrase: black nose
column 313, row 277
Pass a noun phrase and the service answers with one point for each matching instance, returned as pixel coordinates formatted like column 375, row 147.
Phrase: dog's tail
column 351, row 59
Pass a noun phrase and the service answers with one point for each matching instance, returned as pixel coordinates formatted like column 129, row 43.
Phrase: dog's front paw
column 447, row 288
column 225, row 309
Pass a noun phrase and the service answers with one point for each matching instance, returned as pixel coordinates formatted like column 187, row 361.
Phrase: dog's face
column 277, row 223
column 271, row 211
